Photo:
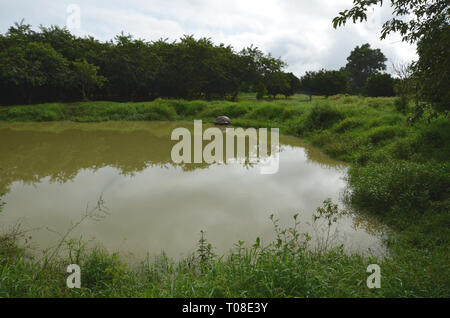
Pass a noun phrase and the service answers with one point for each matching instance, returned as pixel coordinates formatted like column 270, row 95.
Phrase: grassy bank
column 400, row 174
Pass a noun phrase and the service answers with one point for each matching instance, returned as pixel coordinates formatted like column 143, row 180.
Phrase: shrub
column 435, row 134
column 322, row 116
column 159, row 112
column 101, row 269
column 404, row 148
column 396, row 186
column 179, row 106
column 383, row 133
column 194, row 107
column 401, row 104
column 380, row 85
column 347, row 124
column 433, row 138
column 235, row 110
column 267, row 112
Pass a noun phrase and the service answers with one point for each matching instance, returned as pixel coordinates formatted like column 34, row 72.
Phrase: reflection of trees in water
column 61, row 151
column 30, row 155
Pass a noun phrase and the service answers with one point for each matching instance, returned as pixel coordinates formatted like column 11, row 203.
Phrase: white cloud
column 299, row 31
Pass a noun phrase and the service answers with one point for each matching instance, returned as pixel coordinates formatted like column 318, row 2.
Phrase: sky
column 300, row 32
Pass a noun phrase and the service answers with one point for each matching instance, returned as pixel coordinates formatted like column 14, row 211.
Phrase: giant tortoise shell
column 222, row 120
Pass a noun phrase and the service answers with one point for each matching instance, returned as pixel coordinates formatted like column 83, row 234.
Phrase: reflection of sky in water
column 164, row 208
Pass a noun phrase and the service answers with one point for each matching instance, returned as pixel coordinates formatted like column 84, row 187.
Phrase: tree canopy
column 324, row 82
column 380, row 85
column 427, row 23
column 54, row 65
column 362, row 63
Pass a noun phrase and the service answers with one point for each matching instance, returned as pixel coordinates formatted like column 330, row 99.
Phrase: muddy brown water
column 50, row 173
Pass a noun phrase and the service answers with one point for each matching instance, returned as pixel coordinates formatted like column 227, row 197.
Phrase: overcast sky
column 298, row 31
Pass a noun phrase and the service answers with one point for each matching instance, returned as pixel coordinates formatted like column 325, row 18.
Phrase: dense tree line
column 361, row 75
column 54, row 65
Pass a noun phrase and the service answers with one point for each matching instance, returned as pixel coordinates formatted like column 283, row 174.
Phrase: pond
column 51, row 173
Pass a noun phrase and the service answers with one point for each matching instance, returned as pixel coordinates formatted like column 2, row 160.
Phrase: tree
column 31, row 66
column 427, row 23
column 404, row 84
column 52, row 64
column 257, row 66
column 294, row 85
column 432, row 70
column 261, row 90
column 380, row 85
column 131, row 68
column 276, row 83
column 362, row 63
column 86, row 78
column 324, row 82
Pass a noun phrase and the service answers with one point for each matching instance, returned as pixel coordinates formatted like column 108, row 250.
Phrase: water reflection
column 49, row 171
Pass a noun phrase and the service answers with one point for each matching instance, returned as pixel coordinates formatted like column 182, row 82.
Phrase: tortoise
column 222, row 120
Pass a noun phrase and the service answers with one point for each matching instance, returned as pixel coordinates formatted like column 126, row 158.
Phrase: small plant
column 289, row 239
column 330, row 213
column 204, row 250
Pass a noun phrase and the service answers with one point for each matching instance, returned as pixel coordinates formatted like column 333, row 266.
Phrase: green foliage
column 401, row 104
column 399, row 187
column 348, row 123
column 362, row 63
column 28, row 68
column 261, row 91
column 324, row 82
column 101, row 270
column 322, row 116
column 432, row 70
column 279, row 83
column 422, row 16
column 54, row 65
column 86, row 77
column 267, row 112
column 383, row 133
column 380, row 85
column 424, row 22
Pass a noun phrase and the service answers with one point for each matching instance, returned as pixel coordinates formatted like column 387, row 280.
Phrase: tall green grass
column 287, row 267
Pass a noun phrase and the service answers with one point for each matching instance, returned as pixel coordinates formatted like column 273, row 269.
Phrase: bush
column 401, row 104
column 433, row 137
column 101, row 270
column 235, row 110
column 348, row 124
column 383, row 133
column 380, row 85
column 322, row 116
column 159, row 112
column 179, row 105
column 267, row 111
column 194, row 107
column 435, row 134
column 399, row 186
